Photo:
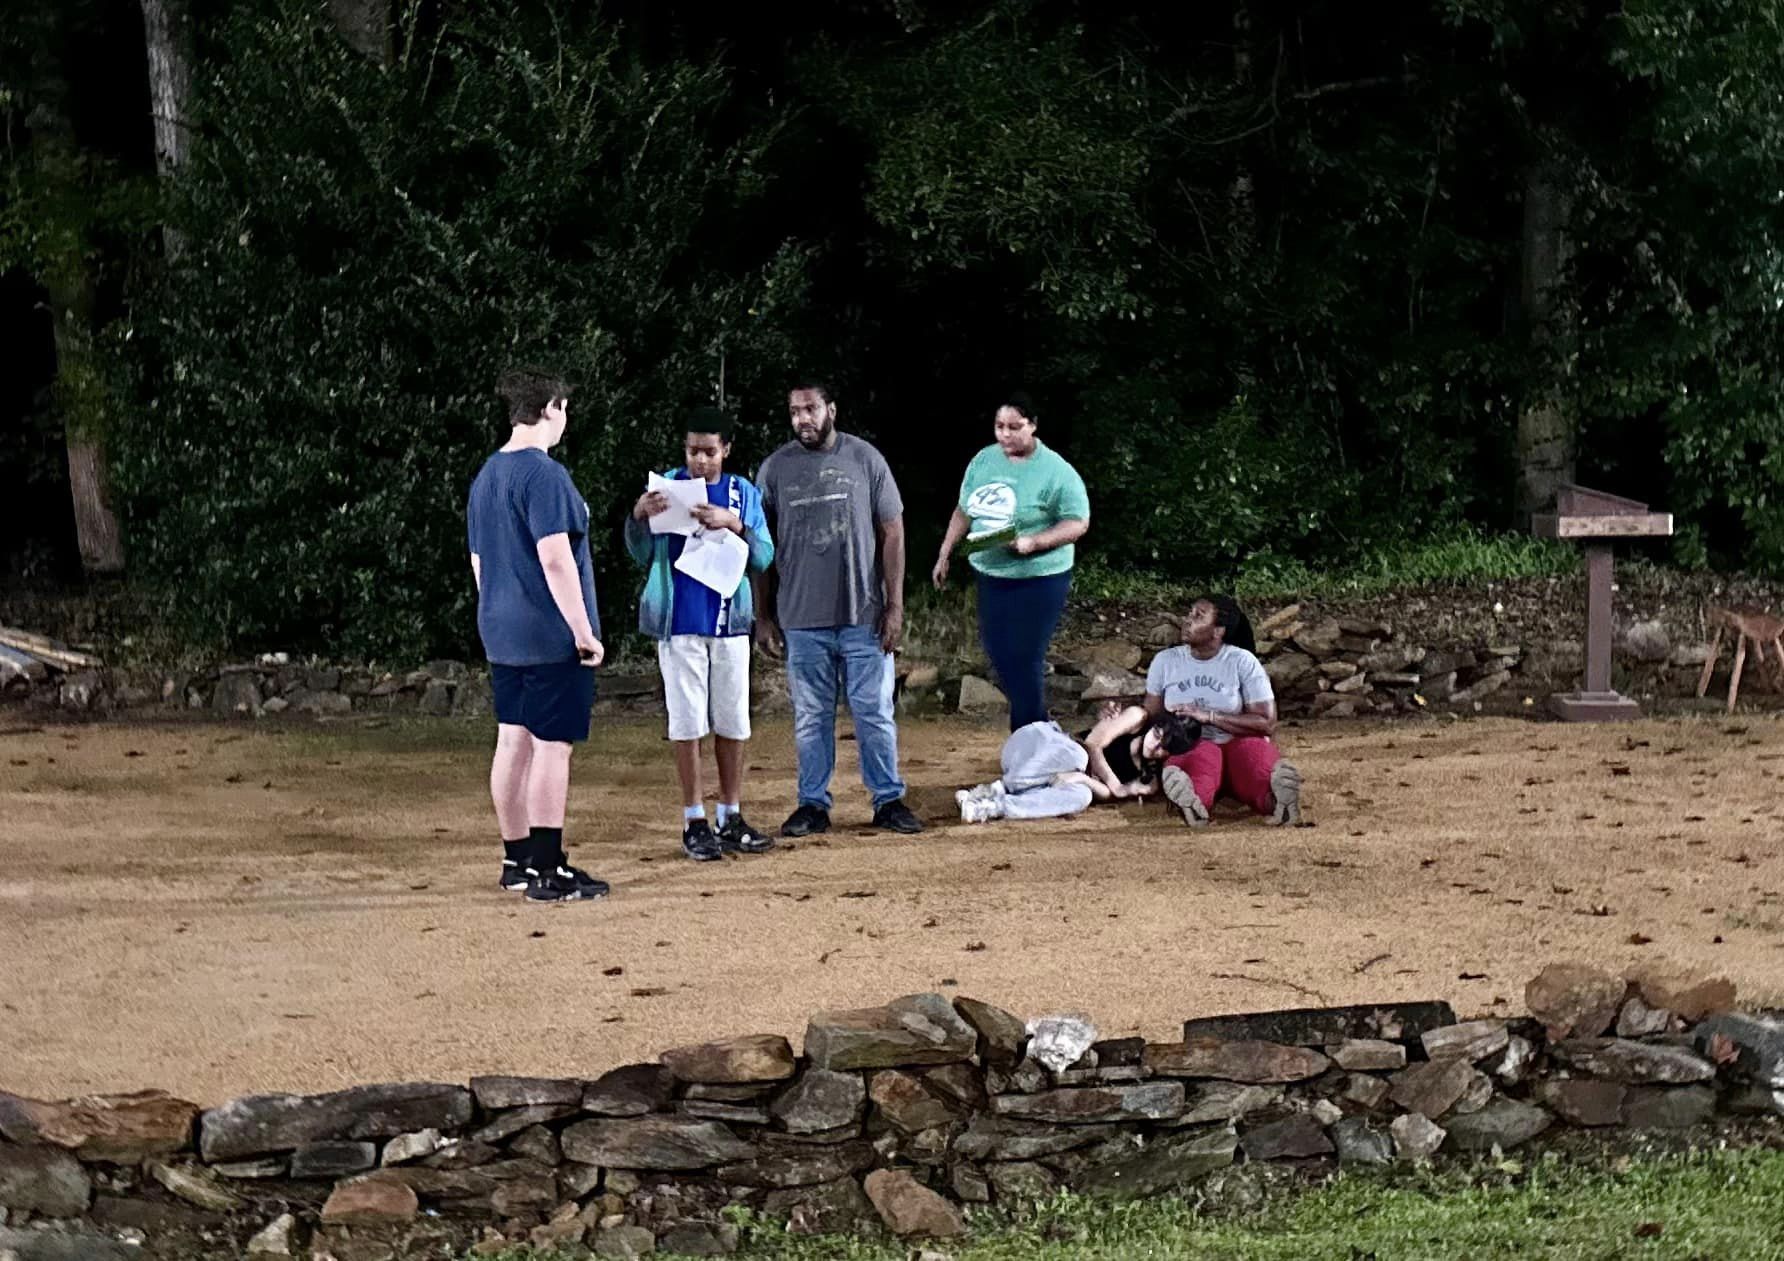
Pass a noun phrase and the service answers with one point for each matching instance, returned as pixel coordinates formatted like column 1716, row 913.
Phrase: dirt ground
column 225, row 909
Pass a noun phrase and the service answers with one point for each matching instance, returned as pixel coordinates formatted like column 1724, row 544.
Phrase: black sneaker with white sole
column 738, row 837
column 514, row 876
column 564, row 883
column 698, row 842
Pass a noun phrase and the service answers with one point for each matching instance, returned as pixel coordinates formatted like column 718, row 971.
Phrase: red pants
column 1239, row 769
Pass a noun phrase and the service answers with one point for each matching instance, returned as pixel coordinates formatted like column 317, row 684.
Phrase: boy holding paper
column 702, row 633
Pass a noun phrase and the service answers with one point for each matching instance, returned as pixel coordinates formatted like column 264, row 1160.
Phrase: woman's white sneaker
column 1180, row 791
column 1285, row 792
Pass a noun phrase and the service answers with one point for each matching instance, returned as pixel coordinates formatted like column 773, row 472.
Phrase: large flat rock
column 44, row 1180
column 261, row 1124
column 1149, row 1101
column 654, row 1142
column 118, row 1129
column 733, row 1061
column 920, row 1029
column 1245, row 1060
column 1325, row 1026
column 1165, row 1163
column 1634, row 1063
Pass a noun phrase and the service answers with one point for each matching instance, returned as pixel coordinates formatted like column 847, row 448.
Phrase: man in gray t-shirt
column 836, row 596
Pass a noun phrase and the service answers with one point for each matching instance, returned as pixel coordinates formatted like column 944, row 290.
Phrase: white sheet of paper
column 716, row 559
column 684, row 495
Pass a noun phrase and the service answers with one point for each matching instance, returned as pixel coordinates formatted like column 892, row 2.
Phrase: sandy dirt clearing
column 224, row 909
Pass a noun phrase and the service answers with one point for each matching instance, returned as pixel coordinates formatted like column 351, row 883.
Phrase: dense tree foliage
column 1286, row 282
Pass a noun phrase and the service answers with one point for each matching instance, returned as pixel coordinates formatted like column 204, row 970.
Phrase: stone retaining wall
column 1321, row 666
column 906, row 1118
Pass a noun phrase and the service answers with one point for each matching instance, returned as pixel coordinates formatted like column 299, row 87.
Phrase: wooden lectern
column 1596, row 519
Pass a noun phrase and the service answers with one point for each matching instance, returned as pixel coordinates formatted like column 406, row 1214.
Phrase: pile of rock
column 899, row 1117
column 1339, row 667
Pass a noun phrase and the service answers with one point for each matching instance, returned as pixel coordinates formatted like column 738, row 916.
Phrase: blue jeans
column 1017, row 617
column 817, row 660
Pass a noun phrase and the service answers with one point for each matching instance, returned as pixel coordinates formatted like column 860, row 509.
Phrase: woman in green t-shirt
column 1021, row 509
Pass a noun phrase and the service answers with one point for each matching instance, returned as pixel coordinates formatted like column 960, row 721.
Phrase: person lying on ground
column 1044, row 771
column 1214, row 678
column 1128, row 748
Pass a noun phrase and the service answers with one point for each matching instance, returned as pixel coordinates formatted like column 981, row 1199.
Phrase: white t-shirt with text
column 1225, row 683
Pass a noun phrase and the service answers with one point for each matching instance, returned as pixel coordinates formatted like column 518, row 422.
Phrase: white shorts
column 706, row 685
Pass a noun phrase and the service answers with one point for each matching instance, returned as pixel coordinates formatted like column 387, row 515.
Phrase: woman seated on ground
column 1214, row 678
column 1044, row 769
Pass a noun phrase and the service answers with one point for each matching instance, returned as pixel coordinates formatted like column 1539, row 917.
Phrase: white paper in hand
column 716, row 559
column 684, row 495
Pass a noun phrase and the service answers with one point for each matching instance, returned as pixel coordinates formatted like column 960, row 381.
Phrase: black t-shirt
column 1119, row 755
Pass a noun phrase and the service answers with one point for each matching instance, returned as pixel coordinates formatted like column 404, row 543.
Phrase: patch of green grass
column 1463, row 555
column 1718, row 1204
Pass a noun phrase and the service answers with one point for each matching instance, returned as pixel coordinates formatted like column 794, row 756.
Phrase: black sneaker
column 590, row 886
column 564, row 884
column 698, row 842
column 897, row 817
column 738, row 837
column 806, row 821
column 514, row 876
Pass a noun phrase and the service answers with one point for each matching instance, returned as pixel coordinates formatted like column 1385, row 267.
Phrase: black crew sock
column 516, row 851
column 546, row 845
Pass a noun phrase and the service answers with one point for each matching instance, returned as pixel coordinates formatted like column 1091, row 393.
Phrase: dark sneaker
column 806, row 821
column 738, row 837
column 562, row 884
column 590, row 886
column 514, row 876
column 698, row 842
column 1180, row 791
column 1285, row 794
column 897, row 817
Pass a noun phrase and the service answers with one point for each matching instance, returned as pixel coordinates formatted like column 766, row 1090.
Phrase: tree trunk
column 67, row 277
column 167, row 35
column 365, row 25
column 81, row 398
column 1546, row 423
column 1241, row 198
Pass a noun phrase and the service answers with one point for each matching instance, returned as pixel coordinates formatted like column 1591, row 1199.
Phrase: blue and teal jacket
column 656, row 603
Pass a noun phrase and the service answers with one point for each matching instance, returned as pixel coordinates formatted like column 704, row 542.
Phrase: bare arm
column 565, row 585
column 1121, row 726
column 958, row 525
column 891, row 534
column 1056, row 535
column 767, row 631
column 1257, row 719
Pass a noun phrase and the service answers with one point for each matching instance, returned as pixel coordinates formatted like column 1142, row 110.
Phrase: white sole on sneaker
column 1181, row 792
column 1285, row 791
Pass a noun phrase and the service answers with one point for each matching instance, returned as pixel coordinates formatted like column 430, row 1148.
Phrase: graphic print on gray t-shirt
column 1226, row 683
column 823, row 508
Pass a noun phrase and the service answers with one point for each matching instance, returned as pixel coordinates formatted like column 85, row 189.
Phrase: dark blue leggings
column 1017, row 617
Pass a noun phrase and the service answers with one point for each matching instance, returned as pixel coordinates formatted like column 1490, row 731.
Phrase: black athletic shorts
column 551, row 701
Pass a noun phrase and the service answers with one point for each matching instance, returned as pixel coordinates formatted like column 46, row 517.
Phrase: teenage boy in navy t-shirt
column 536, row 614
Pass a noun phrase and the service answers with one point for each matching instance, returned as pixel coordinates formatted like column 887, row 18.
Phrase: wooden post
column 1596, row 518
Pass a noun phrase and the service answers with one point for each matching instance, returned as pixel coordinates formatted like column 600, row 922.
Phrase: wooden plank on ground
column 46, row 649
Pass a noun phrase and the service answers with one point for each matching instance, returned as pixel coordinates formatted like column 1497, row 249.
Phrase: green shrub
column 367, row 247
